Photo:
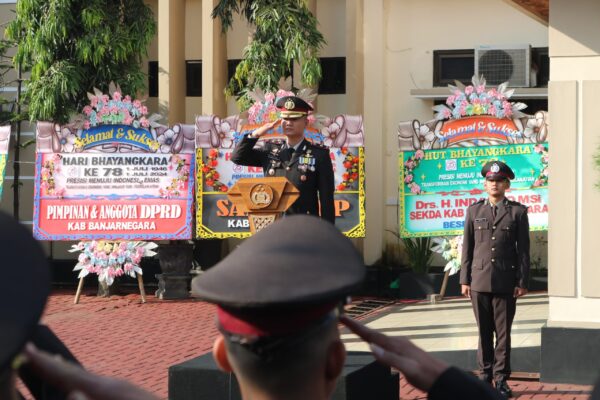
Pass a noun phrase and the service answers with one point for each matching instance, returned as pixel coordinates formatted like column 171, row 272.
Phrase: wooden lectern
column 264, row 199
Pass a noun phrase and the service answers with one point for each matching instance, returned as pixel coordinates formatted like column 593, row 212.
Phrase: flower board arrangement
column 475, row 100
column 111, row 259
column 451, row 249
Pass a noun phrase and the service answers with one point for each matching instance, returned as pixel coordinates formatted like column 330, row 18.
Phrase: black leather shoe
column 503, row 388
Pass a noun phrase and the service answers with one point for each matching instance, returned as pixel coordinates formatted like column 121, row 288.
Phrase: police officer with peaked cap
column 278, row 296
column 307, row 166
column 495, row 269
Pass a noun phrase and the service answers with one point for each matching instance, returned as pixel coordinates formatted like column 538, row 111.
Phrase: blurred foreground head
column 278, row 296
column 26, row 285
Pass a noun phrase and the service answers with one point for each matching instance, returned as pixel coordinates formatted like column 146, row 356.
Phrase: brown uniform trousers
column 495, row 260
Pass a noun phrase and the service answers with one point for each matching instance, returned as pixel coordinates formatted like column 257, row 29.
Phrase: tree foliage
column 6, row 105
column 285, row 31
column 72, row 46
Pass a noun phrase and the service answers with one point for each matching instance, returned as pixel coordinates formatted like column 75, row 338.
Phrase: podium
column 264, row 199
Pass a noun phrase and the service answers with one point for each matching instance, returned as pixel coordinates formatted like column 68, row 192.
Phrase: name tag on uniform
column 480, row 219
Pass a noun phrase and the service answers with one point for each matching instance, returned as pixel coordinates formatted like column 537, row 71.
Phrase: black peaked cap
column 26, row 277
column 497, row 170
column 296, row 262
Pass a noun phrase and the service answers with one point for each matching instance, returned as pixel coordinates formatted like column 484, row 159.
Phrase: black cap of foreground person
column 284, row 279
column 25, row 288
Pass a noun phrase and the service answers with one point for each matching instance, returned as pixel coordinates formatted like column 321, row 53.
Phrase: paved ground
column 120, row 337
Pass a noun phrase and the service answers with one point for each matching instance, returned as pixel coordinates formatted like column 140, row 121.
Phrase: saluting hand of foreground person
column 421, row 369
column 78, row 383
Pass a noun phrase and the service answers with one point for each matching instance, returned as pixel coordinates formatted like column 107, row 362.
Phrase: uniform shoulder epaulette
column 319, row 145
column 516, row 204
column 480, row 201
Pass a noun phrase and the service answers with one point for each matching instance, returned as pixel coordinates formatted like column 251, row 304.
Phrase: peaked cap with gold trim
column 292, row 107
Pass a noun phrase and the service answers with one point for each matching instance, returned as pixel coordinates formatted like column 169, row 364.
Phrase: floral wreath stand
column 466, row 102
column 140, row 285
column 110, row 260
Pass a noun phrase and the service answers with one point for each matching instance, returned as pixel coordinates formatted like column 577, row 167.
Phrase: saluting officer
column 495, row 270
column 306, row 165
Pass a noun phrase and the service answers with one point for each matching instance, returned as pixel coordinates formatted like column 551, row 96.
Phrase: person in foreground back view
column 26, row 284
column 278, row 298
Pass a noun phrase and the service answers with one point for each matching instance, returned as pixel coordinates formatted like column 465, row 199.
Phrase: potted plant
column 176, row 260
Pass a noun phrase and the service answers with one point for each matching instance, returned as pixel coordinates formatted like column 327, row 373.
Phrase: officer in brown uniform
column 495, row 270
column 307, row 165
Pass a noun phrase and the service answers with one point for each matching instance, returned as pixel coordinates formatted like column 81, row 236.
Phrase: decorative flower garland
column 211, row 176
column 48, row 184
column 476, row 100
column 542, row 179
column 263, row 109
column 111, row 259
column 113, row 110
column 351, row 164
column 451, row 250
column 178, row 183
column 409, row 166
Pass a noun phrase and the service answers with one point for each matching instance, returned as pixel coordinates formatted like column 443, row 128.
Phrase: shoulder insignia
column 480, row 201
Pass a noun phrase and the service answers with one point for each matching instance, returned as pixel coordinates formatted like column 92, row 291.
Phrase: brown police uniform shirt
column 495, row 254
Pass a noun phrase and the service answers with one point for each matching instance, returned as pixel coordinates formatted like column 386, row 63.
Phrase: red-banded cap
column 497, row 170
column 286, row 276
column 292, row 107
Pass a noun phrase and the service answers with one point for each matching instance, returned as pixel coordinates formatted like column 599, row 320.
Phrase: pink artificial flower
column 408, row 179
column 450, row 100
column 127, row 99
column 410, row 164
column 480, row 89
column 144, row 122
column 310, row 119
column 114, row 109
column 128, row 266
column 492, row 92
column 538, row 182
column 414, row 188
column 94, row 101
column 137, row 103
column 457, row 93
column 105, row 98
column 144, row 110
column 539, row 148
column 86, row 125
column 87, row 110
column 128, row 120
column 468, row 90
column 446, row 113
column 117, row 96
column 269, row 97
column 419, row 154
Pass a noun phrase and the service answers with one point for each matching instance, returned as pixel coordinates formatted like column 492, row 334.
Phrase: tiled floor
column 138, row 342
column 450, row 324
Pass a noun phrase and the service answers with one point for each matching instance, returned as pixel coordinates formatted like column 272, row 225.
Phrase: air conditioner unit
column 502, row 64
